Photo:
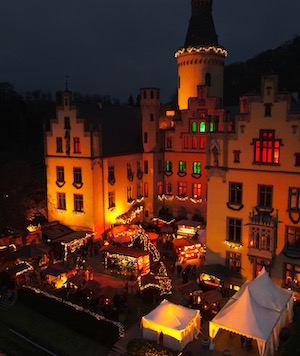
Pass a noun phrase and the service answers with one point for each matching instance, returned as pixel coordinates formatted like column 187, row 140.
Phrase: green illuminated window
column 197, row 167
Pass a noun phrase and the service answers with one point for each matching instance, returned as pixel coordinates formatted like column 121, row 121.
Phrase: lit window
column 202, row 126
column 259, row 263
column 182, row 167
column 169, row 168
column 77, row 175
column 186, row 142
column 111, row 200
column 234, row 230
column 267, row 148
column 77, row 145
column 294, row 199
column 182, row 189
column 196, row 189
column 233, row 261
column 168, row 188
column 292, row 276
column 78, row 202
column 146, row 189
column 202, row 142
column 235, row 193
column 159, row 188
column 194, row 126
column 60, row 174
column 59, row 144
column 196, row 167
column 265, row 195
column 61, row 201
column 260, row 238
column 194, row 142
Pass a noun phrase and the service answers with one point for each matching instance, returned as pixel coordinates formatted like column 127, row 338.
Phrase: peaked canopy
column 179, row 325
column 258, row 310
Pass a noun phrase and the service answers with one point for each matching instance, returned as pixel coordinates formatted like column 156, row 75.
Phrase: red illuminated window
column 292, row 276
column 169, row 142
column 267, row 148
column 76, row 144
column 196, row 189
column 202, row 142
column 146, row 189
column 186, row 142
column 236, row 156
column 159, row 188
column 194, row 142
column 168, row 188
column 182, row 189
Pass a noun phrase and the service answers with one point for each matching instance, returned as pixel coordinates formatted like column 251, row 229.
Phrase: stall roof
column 218, row 271
column 75, row 235
column 182, row 242
column 126, row 251
column 19, row 268
column 56, row 270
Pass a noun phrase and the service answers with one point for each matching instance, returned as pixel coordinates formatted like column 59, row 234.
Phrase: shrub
column 137, row 347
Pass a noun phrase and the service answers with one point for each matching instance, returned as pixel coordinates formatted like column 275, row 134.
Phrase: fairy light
column 198, row 49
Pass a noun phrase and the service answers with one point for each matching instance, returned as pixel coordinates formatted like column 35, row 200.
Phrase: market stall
column 57, row 275
column 187, row 248
column 187, row 228
column 127, row 261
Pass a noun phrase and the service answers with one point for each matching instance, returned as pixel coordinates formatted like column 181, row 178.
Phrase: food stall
column 127, row 261
column 57, row 275
column 187, row 248
column 188, row 228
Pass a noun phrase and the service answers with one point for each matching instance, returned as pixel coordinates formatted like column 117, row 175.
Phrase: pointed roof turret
column 201, row 29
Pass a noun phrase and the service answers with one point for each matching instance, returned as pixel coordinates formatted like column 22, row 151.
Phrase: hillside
column 244, row 77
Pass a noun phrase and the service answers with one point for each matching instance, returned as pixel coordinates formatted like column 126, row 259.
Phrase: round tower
column 201, row 60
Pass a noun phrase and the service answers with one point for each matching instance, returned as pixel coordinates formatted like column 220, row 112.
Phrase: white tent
column 179, row 325
column 258, row 310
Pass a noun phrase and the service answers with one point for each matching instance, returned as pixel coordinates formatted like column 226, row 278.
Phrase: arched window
column 194, row 126
column 202, row 126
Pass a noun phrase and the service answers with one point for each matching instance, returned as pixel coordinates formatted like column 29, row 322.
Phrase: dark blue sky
column 116, row 47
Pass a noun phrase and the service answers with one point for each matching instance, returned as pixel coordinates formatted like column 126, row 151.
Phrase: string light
column 210, row 49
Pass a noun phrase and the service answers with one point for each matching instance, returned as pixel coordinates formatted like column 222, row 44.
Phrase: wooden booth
column 127, row 261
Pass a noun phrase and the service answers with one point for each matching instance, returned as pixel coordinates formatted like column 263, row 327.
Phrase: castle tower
column 201, row 60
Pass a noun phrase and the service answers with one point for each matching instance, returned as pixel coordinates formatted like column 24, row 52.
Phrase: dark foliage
column 138, row 347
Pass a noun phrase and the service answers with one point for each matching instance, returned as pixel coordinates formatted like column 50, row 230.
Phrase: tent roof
column 171, row 315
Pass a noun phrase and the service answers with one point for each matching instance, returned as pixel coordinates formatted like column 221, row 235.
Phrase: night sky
column 116, row 47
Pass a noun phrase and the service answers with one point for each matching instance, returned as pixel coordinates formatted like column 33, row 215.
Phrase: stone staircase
column 7, row 300
column 117, row 350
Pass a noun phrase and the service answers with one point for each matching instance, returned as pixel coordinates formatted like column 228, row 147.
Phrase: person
column 243, row 339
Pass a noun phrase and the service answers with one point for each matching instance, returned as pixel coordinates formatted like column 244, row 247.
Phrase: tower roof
column 201, row 31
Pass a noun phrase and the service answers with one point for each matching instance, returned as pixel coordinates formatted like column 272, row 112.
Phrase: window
column 111, row 174
column 202, row 126
column 146, row 189
column 196, row 190
column 67, row 123
column 202, row 142
column 297, row 159
column 186, row 142
column 294, row 199
column 169, row 142
column 169, row 168
column 292, row 276
column 236, row 156
column 208, row 79
column 151, row 117
column 76, row 144
column 60, row 173
column 159, row 188
column 268, row 109
column 129, row 194
column 130, row 175
column 196, row 167
column 61, row 201
column 260, row 238
column 139, row 172
column 146, row 168
column 139, row 190
column 265, row 194
column 233, row 261
column 259, row 264
column 267, row 148
column 168, row 188
column 194, row 142
column 145, row 137
column 235, row 193
column 78, row 202
column 111, row 200
column 182, row 189
column 293, row 238
column 182, row 167
column 59, row 144
column 234, row 230
column 77, row 175
column 194, row 127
